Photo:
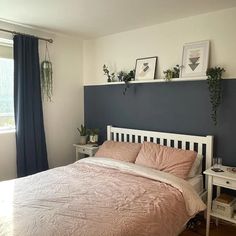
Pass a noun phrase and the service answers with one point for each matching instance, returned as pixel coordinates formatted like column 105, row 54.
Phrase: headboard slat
column 199, row 148
column 161, row 141
column 142, row 139
column 191, row 146
column 168, row 143
column 115, row 136
column 175, row 143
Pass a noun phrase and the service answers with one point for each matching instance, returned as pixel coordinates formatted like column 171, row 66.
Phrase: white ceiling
column 94, row 18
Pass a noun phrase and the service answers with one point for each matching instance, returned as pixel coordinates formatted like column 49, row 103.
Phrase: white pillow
column 197, row 167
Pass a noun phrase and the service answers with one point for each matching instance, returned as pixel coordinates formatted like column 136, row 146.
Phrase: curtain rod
column 15, row 32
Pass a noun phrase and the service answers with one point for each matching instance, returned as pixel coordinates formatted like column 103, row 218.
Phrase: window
column 6, row 89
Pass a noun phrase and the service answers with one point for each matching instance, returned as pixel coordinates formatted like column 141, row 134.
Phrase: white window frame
column 3, row 130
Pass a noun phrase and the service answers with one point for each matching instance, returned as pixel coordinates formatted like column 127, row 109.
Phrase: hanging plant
column 215, row 88
column 126, row 77
column 46, row 76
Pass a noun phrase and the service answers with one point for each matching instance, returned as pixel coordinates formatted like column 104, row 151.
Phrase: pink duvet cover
column 97, row 196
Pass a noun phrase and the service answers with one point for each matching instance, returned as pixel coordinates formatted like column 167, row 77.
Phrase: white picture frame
column 195, row 59
column 145, row 68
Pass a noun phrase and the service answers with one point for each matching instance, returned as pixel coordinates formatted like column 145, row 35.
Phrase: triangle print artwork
column 194, row 63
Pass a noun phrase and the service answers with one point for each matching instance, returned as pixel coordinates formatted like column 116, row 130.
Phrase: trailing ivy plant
column 46, row 79
column 46, row 76
column 126, row 77
column 215, row 88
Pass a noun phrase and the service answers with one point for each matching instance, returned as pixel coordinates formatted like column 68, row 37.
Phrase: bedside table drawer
column 224, row 182
column 83, row 150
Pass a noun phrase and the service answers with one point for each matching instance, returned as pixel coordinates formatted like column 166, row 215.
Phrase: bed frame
column 201, row 144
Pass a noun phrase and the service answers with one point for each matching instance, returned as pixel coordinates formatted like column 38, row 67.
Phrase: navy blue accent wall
column 176, row 107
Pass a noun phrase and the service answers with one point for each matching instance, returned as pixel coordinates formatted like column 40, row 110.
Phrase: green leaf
column 215, row 88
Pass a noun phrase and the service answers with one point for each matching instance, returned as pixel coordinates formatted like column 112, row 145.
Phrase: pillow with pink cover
column 172, row 160
column 123, row 151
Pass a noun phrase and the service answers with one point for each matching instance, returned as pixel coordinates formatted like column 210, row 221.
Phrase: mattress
column 197, row 183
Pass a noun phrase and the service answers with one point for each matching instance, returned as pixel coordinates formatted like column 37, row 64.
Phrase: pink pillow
column 122, row 151
column 172, row 160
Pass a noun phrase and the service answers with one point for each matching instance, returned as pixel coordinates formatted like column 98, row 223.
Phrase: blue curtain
column 30, row 135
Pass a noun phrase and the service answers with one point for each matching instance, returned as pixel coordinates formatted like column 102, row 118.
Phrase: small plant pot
column 82, row 140
column 93, row 138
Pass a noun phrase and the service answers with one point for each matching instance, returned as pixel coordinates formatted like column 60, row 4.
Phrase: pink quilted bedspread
column 94, row 198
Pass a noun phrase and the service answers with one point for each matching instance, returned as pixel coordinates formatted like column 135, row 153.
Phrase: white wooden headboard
column 201, row 144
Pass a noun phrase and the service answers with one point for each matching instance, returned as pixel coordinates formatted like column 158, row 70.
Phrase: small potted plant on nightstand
column 93, row 135
column 83, row 135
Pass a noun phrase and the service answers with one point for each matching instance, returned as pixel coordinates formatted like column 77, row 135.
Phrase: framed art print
column 145, row 68
column 195, row 59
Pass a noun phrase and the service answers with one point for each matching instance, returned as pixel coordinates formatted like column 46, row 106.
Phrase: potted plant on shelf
column 126, row 77
column 83, row 135
column 93, row 135
column 110, row 77
column 172, row 73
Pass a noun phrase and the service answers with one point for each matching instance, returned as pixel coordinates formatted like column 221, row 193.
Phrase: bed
column 101, row 196
column 197, row 182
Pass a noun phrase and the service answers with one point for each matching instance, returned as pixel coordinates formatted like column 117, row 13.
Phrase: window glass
column 6, row 89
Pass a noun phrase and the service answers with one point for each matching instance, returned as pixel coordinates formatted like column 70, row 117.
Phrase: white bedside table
column 220, row 179
column 87, row 149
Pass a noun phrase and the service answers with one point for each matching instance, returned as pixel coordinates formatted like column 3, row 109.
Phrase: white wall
column 6, row 51
column 119, row 51
column 7, row 156
column 65, row 113
column 61, row 116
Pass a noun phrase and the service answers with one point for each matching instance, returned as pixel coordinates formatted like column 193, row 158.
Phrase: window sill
column 7, row 131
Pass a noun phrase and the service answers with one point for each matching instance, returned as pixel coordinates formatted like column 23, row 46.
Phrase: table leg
column 209, row 200
column 217, row 194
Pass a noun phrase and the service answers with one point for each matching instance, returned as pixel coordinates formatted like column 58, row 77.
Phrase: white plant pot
column 82, row 140
column 93, row 138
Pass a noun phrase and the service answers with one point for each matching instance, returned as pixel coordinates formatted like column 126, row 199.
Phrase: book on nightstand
column 225, row 198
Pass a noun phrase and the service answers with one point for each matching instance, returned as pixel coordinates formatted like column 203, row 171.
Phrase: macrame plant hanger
column 46, row 76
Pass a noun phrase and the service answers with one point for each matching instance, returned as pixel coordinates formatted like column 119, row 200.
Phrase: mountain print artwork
column 194, row 59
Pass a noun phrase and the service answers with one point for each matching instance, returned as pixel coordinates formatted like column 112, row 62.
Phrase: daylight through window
column 6, row 89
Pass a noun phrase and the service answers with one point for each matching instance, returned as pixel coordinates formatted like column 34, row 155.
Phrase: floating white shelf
column 150, row 81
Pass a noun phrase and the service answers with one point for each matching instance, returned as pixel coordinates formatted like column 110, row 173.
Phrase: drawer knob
column 227, row 182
